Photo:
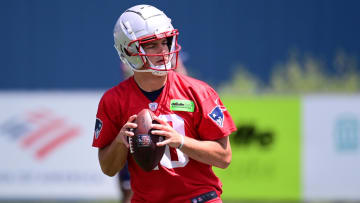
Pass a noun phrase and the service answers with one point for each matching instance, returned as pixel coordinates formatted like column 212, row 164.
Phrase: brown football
column 143, row 144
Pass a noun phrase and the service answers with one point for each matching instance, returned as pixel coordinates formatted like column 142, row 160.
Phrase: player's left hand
column 172, row 138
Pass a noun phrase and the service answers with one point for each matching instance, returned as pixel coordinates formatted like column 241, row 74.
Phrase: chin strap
column 161, row 70
column 164, row 67
column 154, row 72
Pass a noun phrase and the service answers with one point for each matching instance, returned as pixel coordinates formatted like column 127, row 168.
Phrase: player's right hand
column 126, row 131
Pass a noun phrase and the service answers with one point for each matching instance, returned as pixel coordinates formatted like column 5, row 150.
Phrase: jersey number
column 174, row 158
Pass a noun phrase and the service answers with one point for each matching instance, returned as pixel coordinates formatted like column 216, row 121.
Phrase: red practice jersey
column 193, row 109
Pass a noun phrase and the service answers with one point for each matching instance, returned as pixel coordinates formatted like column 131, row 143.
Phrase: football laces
column 131, row 145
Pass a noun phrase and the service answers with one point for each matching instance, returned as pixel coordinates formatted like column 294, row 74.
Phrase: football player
column 192, row 118
column 124, row 175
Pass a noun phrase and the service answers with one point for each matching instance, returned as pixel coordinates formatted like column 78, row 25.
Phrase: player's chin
column 162, row 61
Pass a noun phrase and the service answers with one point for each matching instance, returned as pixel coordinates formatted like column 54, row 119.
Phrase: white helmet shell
column 144, row 22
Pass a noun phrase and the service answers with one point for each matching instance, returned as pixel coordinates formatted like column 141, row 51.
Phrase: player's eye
column 149, row 46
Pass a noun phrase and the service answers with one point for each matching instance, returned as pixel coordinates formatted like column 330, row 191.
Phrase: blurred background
column 287, row 70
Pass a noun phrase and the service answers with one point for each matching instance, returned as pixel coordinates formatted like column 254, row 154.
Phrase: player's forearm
column 112, row 158
column 215, row 153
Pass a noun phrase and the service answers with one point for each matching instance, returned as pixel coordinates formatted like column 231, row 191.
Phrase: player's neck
column 149, row 82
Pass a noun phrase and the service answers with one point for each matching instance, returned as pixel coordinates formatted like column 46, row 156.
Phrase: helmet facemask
column 169, row 58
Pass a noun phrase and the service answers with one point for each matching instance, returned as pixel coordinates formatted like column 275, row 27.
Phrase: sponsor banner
column 266, row 149
column 45, row 146
column 331, row 154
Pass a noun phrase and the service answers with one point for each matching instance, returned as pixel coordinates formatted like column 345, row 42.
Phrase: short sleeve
column 215, row 121
column 105, row 128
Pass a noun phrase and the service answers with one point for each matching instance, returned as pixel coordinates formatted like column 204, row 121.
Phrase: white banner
column 45, row 147
column 331, row 147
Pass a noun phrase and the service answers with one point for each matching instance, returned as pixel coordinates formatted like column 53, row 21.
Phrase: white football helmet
column 142, row 24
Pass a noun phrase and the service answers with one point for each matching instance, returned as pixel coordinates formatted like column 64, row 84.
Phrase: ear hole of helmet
column 126, row 52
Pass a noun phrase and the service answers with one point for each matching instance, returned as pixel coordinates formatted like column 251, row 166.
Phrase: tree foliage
column 300, row 76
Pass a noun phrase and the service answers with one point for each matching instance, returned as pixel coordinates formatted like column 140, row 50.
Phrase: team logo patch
column 217, row 114
column 153, row 106
column 98, row 127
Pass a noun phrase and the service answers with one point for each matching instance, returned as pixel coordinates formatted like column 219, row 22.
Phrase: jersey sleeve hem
column 224, row 134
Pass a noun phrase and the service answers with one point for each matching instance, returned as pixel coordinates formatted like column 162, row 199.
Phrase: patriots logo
column 217, row 114
column 98, row 127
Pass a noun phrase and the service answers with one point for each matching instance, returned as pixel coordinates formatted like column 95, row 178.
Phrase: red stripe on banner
column 41, row 132
column 38, row 116
column 58, row 141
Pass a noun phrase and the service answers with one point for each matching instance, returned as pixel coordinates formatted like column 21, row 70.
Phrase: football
column 143, row 144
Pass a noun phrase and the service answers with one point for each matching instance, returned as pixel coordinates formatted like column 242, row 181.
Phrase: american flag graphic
column 39, row 132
